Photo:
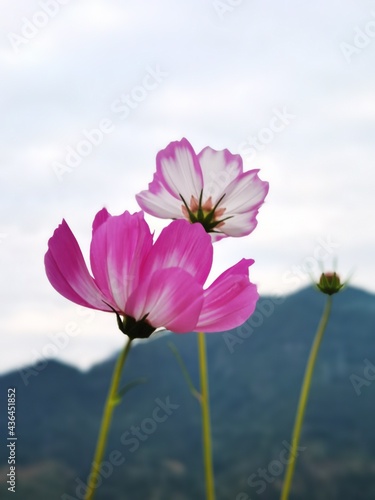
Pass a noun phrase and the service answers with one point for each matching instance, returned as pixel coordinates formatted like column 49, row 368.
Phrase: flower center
column 207, row 214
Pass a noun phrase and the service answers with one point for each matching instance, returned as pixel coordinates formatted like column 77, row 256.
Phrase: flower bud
column 329, row 283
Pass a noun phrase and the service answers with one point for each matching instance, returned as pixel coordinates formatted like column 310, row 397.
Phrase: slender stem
column 206, row 424
column 303, row 399
column 112, row 400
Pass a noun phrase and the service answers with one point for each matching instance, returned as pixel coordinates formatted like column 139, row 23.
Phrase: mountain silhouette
column 154, row 447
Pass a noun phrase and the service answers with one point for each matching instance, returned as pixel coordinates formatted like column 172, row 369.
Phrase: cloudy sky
column 288, row 85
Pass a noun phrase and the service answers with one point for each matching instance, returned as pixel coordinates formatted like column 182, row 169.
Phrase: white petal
column 161, row 204
column 240, row 224
column 219, row 169
column 245, row 193
column 179, row 170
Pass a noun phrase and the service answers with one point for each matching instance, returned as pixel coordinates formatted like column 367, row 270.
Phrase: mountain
column 154, row 448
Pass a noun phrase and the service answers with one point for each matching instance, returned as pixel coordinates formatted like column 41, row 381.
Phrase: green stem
column 303, row 399
column 206, row 424
column 112, row 401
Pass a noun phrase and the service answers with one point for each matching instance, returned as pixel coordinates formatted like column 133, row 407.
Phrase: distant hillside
column 255, row 376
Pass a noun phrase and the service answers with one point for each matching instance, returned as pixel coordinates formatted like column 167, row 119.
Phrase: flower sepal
column 132, row 328
column 137, row 329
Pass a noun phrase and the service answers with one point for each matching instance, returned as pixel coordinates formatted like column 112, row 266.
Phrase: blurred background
column 91, row 90
column 222, row 73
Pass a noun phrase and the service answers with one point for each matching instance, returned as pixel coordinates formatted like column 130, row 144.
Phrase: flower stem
column 112, row 401
column 304, row 397
column 206, row 424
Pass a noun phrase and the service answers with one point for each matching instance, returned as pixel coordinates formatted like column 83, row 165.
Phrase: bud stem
column 303, row 399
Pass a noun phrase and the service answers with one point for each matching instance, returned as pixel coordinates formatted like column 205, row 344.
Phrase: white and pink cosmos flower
column 150, row 284
column 210, row 187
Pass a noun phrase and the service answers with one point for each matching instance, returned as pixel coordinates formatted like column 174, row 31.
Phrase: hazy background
column 224, row 71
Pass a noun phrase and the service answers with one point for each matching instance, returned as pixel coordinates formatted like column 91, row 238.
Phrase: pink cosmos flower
column 210, row 188
column 150, row 285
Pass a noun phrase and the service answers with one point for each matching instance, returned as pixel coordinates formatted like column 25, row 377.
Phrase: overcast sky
column 289, row 85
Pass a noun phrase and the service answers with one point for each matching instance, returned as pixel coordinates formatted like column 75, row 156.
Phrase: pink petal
column 229, row 301
column 185, row 245
column 217, row 236
column 178, row 169
column 119, row 247
column 100, row 218
column 171, row 298
column 68, row 273
column 219, row 169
